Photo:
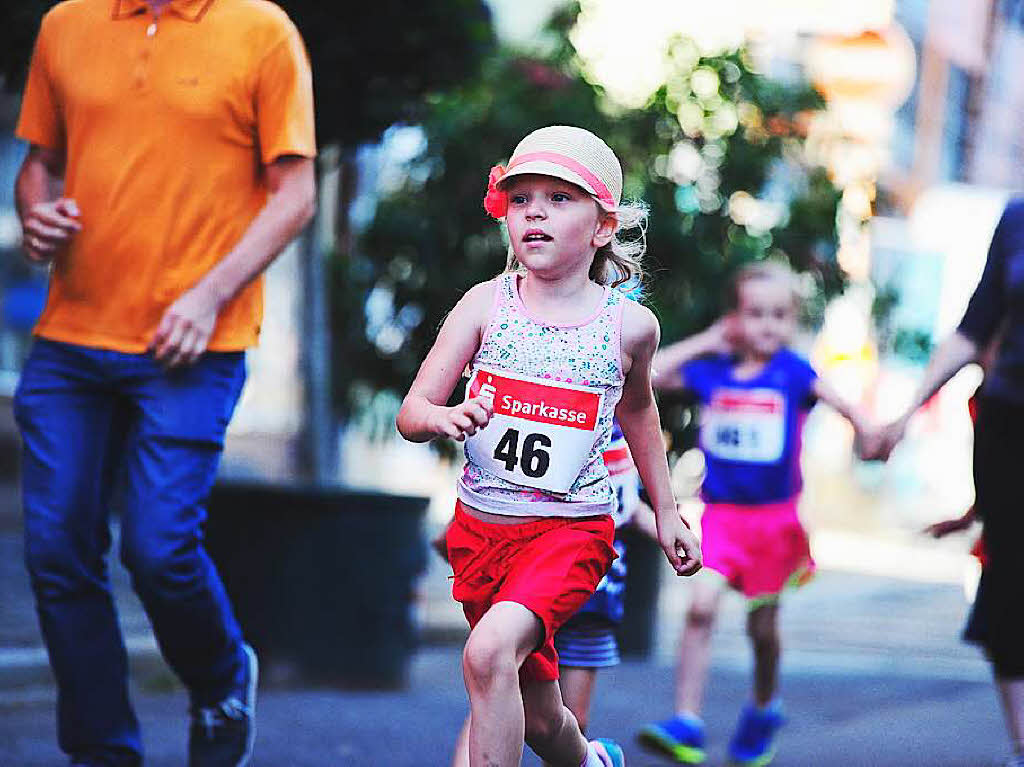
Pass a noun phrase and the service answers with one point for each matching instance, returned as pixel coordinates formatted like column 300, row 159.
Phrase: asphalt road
column 837, row 718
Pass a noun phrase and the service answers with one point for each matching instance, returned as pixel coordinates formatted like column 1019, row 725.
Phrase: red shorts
column 549, row 566
column 759, row 549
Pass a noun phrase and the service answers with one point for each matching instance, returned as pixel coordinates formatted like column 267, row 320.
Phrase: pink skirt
column 759, row 549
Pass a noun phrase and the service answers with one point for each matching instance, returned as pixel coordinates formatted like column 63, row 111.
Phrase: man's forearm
column 286, row 212
column 35, row 183
column 952, row 354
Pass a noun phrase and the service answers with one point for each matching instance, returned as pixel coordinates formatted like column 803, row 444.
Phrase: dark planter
column 644, row 563
column 322, row 579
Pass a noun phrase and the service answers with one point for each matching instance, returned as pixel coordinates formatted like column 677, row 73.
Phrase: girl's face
column 765, row 316
column 554, row 226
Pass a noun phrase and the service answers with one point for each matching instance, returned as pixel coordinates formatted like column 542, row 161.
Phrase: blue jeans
column 105, row 429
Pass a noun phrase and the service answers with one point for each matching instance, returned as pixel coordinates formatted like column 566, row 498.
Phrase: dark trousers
column 998, row 463
column 105, row 429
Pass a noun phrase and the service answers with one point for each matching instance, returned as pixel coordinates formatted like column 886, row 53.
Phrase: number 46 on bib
column 542, row 431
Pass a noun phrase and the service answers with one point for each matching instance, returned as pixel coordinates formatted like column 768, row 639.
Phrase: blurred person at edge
column 995, row 313
column 170, row 162
column 754, row 394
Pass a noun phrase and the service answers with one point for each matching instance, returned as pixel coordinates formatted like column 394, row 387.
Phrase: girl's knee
column 701, row 614
column 487, row 658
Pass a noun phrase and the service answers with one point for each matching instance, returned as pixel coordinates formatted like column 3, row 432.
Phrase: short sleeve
column 802, row 378
column 41, row 119
column 987, row 306
column 284, row 101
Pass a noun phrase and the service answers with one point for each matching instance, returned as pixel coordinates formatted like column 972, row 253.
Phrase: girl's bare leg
column 577, row 688
column 695, row 645
column 461, row 756
column 496, row 648
column 551, row 729
column 763, row 629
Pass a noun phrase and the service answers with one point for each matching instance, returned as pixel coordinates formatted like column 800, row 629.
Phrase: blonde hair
column 618, row 262
column 762, row 270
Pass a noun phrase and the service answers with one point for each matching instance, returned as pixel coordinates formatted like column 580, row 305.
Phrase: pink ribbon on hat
column 581, row 170
column 496, row 201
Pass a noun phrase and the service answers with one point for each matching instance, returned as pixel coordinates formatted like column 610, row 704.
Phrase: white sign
column 745, row 425
column 541, row 433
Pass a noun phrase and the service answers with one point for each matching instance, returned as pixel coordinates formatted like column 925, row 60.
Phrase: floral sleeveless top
column 537, row 360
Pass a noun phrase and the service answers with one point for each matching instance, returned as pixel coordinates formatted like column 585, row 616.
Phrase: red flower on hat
column 496, row 201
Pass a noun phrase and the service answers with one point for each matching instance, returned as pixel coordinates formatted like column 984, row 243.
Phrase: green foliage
column 377, row 63
column 430, row 240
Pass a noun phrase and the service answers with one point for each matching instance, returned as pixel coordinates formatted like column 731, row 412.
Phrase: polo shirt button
column 151, row 30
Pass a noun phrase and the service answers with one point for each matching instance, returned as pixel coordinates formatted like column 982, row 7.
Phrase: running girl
column 532, row 534
column 754, row 394
column 586, row 642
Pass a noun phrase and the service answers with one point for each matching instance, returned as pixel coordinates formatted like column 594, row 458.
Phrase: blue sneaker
column 753, row 744
column 681, row 738
column 610, row 752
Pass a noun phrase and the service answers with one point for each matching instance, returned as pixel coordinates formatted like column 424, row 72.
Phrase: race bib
column 618, row 459
column 541, row 433
column 745, row 425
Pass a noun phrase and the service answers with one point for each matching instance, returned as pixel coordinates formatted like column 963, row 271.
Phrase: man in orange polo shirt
column 170, row 162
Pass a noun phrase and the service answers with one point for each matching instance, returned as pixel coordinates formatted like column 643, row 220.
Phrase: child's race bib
column 745, row 425
column 541, row 433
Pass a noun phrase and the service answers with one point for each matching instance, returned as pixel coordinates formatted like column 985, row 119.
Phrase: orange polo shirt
column 167, row 124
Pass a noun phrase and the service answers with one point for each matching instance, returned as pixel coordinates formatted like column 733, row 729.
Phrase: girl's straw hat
column 571, row 154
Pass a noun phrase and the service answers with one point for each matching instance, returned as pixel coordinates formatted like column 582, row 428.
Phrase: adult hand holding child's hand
column 877, row 444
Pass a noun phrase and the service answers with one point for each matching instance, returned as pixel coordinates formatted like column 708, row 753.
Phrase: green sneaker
column 753, row 744
column 681, row 738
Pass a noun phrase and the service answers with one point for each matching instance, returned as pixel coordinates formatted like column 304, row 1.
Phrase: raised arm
column 424, row 414
column 638, row 417
column 666, row 366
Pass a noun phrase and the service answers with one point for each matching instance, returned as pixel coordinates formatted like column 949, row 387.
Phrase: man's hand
column 463, row 420
column 679, row 544
column 185, row 329
column 49, row 226
column 947, row 526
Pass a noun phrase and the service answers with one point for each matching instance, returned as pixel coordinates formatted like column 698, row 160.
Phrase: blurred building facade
column 962, row 120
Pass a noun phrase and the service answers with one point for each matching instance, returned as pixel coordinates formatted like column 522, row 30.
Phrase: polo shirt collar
column 190, row 10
